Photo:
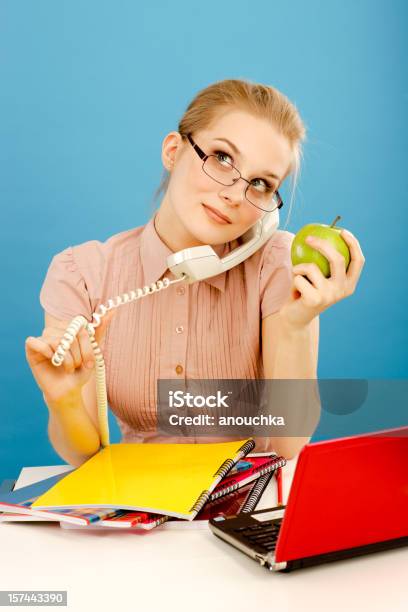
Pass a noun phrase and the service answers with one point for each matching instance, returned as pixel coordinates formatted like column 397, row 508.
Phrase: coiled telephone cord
column 80, row 322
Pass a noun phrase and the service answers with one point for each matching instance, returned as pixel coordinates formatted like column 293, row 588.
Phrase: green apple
column 305, row 253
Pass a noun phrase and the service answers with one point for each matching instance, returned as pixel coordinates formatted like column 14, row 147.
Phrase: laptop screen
column 345, row 493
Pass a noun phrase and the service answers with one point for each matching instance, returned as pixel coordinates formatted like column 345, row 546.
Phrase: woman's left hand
column 309, row 299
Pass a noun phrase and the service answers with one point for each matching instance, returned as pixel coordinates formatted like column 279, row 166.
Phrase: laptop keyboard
column 262, row 536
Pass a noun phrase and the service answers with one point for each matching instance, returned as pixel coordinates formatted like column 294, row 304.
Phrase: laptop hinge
column 272, row 565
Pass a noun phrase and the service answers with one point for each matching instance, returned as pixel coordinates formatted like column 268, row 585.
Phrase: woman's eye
column 258, row 183
column 261, row 185
column 221, row 156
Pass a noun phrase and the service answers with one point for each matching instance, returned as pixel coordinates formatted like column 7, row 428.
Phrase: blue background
column 88, row 92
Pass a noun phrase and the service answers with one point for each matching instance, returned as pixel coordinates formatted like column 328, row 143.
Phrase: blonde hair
column 262, row 101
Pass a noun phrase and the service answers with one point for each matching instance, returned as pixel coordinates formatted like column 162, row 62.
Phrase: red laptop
column 349, row 497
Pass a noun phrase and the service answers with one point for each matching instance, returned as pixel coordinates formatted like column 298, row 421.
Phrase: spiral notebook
column 258, row 466
column 172, row 479
column 136, row 521
column 16, row 505
column 244, row 499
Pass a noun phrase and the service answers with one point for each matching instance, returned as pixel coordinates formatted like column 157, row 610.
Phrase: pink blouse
column 209, row 329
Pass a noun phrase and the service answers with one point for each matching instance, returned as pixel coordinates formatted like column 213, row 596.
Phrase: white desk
column 189, row 570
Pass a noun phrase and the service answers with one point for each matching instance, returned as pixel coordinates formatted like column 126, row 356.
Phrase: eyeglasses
column 257, row 192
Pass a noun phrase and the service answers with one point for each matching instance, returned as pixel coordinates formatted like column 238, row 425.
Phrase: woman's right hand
column 79, row 361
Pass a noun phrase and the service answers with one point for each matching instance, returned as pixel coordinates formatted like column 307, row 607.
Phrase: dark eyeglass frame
column 204, row 157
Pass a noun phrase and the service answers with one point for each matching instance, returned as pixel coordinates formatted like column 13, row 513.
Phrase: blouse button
column 179, row 329
column 179, row 369
column 180, row 291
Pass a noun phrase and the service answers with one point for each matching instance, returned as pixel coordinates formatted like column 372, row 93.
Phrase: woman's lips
column 215, row 215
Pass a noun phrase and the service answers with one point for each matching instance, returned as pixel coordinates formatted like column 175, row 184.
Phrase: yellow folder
column 172, row 479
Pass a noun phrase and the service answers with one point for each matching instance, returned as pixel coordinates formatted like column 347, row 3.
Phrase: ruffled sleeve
column 65, row 293
column 276, row 273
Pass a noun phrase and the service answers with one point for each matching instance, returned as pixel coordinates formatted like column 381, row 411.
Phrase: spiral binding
column 266, row 469
column 201, row 501
column 256, row 493
column 226, row 491
column 229, row 463
column 80, row 322
column 271, row 467
column 224, row 468
column 247, row 447
column 161, row 520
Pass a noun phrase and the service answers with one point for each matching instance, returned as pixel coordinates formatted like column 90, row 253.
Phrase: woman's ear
column 170, row 147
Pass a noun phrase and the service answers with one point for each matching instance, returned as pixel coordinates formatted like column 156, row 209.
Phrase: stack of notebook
column 142, row 486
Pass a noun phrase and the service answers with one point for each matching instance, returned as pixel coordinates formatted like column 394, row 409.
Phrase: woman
column 257, row 320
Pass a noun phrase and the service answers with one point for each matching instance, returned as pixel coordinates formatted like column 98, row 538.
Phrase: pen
column 240, row 467
column 279, row 485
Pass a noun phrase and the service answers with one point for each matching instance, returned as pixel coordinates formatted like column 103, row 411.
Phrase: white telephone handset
column 198, row 263
column 190, row 265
